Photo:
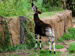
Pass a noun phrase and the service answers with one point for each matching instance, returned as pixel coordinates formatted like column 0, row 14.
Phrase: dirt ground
column 25, row 52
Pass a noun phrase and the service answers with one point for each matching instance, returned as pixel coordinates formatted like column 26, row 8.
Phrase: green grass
column 10, row 54
column 72, row 48
column 67, row 36
column 58, row 46
column 16, row 8
column 46, row 53
column 31, row 53
column 46, row 14
column 60, row 39
column 72, row 32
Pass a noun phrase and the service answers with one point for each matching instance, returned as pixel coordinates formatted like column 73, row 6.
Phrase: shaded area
column 22, row 29
column 71, row 6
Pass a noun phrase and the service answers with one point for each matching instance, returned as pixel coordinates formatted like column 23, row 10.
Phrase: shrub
column 72, row 47
column 59, row 46
column 4, row 39
column 29, row 40
column 67, row 36
column 14, row 8
column 72, row 32
column 60, row 39
column 43, row 51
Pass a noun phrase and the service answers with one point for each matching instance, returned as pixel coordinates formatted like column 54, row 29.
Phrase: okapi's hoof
column 49, row 51
column 35, row 48
column 40, row 48
column 54, row 52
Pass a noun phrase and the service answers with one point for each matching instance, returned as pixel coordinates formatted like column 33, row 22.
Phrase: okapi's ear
column 32, row 4
column 39, row 12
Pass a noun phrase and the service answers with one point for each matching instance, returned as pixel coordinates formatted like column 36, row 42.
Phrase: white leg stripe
column 36, row 39
column 54, row 46
column 36, row 45
column 50, row 46
column 52, row 38
column 40, row 45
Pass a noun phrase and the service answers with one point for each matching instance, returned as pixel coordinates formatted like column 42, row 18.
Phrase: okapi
column 43, row 29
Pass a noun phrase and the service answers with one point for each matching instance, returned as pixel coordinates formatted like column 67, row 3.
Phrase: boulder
column 16, row 29
column 22, row 20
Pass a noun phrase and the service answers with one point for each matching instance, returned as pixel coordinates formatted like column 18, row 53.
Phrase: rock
column 22, row 29
column 14, row 29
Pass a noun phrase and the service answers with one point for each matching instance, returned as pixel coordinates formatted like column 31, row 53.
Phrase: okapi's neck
column 36, row 18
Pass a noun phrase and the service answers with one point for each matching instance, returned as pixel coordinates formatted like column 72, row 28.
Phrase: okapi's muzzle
column 32, row 4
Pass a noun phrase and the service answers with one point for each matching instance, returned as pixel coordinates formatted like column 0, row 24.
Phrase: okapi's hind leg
column 49, row 44
column 48, row 34
column 36, row 38
column 53, row 40
column 53, row 43
column 40, row 42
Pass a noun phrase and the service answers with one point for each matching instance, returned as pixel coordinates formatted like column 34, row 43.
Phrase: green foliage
column 51, row 5
column 46, row 53
column 58, row 46
column 13, row 54
column 72, row 48
column 39, row 5
column 70, row 5
column 22, row 7
column 14, row 8
column 4, row 39
column 67, row 36
column 72, row 32
column 29, row 41
column 66, row 43
column 43, row 51
column 60, row 39
column 10, row 54
column 13, row 48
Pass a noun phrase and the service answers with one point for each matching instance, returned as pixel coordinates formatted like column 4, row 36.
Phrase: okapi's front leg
column 36, row 38
column 53, row 43
column 40, row 42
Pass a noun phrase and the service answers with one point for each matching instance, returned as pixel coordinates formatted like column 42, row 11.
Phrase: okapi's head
column 35, row 9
